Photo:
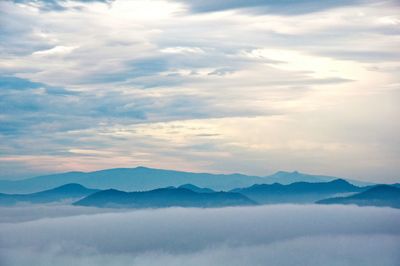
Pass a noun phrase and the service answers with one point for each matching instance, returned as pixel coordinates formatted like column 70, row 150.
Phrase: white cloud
column 57, row 50
column 279, row 234
column 180, row 49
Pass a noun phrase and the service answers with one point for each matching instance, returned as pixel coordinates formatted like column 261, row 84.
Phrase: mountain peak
column 286, row 173
column 339, row 181
column 70, row 185
column 67, row 188
column 196, row 188
column 189, row 186
column 64, row 192
column 141, row 167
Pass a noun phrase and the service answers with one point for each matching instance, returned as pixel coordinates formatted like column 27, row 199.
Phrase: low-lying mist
column 263, row 235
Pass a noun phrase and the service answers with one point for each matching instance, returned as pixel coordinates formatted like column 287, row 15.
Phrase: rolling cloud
column 280, row 235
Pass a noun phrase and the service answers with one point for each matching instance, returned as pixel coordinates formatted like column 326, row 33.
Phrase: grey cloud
column 222, row 71
column 28, row 212
column 55, row 5
column 124, row 77
column 12, row 30
column 11, row 83
column 279, row 234
column 287, row 7
column 363, row 56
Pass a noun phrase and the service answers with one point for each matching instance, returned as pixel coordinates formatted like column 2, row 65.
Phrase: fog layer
column 266, row 235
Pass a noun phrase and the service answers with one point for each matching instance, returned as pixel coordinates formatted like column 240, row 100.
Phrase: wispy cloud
column 288, row 7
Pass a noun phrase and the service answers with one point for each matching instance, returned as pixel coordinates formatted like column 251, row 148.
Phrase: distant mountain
column 163, row 197
column 196, row 188
column 299, row 192
column 285, row 178
column 68, row 191
column 295, row 176
column 130, row 179
column 396, row 185
column 142, row 178
column 380, row 195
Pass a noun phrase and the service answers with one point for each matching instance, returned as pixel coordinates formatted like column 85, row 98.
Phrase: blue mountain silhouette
column 196, row 188
column 299, row 192
column 68, row 191
column 380, row 195
column 163, row 197
column 143, row 178
column 189, row 195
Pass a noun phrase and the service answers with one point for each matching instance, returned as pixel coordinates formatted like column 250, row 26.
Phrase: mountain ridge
column 298, row 192
column 379, row 195
column 189, row 195
column 144, row 178
column 64, row 192
column 163, row 197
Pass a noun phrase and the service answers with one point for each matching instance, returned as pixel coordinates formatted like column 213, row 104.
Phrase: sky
column 250, row 86
column 281, row 235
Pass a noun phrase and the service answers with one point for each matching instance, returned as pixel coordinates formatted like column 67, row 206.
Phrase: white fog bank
column 264, row 235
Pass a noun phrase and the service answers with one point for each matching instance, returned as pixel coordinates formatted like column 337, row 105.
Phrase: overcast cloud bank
column 86, row 85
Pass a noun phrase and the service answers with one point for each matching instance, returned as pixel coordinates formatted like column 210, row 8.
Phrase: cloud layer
column 238, row 86
column 279, row 235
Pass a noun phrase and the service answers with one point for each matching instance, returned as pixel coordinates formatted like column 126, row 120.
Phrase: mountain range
column 380, row 195
column 299, row 192
column 197, row 189
column 62, row 193
column 143, row 178
column 189, row 195
column 164, row 197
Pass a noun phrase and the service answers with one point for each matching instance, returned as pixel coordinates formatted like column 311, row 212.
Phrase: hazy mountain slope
column 68, row 191
column 130, row 179
column 381, row 195
column 142, row 178
column 163, row 197
column 291, row 177
column 396, row 185
column 39, row 183
column 299, row 192
column 196, row 188
column 285, row 178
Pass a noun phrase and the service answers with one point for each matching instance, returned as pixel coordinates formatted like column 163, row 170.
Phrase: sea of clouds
column 262, row 235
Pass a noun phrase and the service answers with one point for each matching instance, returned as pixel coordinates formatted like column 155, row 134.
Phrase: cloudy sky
column 251, row 86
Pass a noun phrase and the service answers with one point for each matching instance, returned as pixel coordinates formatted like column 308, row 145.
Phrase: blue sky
column 217, row 86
